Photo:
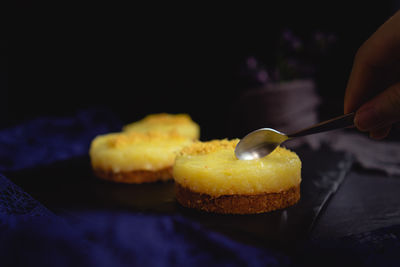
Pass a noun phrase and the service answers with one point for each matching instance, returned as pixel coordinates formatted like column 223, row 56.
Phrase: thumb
column 382, row 111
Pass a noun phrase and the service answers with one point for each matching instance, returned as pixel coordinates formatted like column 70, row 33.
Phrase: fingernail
column 367, row 118
column 379, row 133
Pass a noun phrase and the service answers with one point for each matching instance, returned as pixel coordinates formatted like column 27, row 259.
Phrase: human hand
column 373, row 90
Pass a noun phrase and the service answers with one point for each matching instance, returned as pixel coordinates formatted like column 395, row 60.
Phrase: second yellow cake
column 209, row 177
column 135, row 157
column 167, row 123
column 145, row 151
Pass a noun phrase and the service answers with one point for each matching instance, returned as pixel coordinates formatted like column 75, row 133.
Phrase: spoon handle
column 343, row 121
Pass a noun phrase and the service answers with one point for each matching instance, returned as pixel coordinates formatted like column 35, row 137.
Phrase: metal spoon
column 261, row 142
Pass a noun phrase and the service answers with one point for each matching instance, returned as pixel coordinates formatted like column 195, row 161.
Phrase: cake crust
column 135, row 177
column 237, row 203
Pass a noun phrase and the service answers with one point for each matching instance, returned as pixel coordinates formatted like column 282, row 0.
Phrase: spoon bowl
column 259, row 143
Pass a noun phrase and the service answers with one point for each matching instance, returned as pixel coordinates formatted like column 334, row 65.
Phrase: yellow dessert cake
column 136, row 157
column 163, row 122
column 209, row 177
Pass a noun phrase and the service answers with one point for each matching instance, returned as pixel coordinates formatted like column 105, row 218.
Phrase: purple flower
column 262, row 76
column 295, row 58
column 293, row 41
column 251, row 63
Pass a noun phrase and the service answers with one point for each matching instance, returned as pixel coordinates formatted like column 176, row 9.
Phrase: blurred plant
column 294, row 58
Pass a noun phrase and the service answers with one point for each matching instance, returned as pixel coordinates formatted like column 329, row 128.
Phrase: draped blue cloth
column 32, row 235
column 49, row 139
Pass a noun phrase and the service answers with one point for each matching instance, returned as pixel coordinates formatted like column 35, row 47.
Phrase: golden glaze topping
column 164, row 118
column 123, row 139
column 202, row 148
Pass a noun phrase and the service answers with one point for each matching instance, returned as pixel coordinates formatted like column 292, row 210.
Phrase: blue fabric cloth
column 49, row 139
column 14, row 201
column 107, row 239
column 31, row 235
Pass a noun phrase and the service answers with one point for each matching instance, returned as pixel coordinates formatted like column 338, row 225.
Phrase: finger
column 377, row 58
column 380, row 133
column 381, row 111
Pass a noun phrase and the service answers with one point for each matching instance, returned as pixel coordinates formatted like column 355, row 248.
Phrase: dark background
column 136, row 60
